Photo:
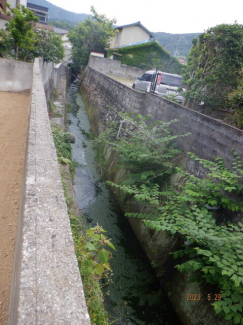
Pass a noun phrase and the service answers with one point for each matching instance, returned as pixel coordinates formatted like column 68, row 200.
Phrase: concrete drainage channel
column 46, row 285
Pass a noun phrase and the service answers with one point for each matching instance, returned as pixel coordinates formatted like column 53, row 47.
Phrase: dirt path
column 13, row 130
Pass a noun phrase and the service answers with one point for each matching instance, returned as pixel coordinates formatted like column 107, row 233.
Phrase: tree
column 62, row 24
column 25, row 41
column 47, row 45
column 235, row 100
column 91, row 35
column 6, row 44
column 213, row 65
column 20, row 28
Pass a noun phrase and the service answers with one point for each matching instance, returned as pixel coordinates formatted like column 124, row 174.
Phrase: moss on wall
column 147, row 56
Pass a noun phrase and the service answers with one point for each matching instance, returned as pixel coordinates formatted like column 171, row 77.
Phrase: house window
column 3, row 4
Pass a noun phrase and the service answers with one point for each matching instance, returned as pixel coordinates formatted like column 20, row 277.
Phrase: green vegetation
column 47, row 45
column 19, row 32
column 23, row 42
column 184, row 204
column 63, row 148
column 90, row 244
column 140, row 147
column 147, row 56
column 91, row 35
column 62, row 24
column 235, row 100
column 93, row 260
column 213, row 66
column 178, row 45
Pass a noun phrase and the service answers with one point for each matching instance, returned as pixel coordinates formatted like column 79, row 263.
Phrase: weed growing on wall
column 140, row 147
column 63, row 148
column 92, row 247
column 213, row 251
column 93, row 259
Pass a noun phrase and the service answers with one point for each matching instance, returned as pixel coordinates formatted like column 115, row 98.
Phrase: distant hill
column 57, row 13
column 177, row 44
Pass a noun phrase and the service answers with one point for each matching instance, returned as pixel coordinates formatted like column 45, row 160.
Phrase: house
column 13, row 3
column 40, row 11
column 66, row 43
column 131, row 34
column 62, row 32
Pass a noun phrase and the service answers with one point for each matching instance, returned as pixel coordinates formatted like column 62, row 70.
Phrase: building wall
column 64, row 38
column 2, row 23
column 67, row 51
column 13, row 3
column 23, row 2
column 129, row 35
column 133, row 34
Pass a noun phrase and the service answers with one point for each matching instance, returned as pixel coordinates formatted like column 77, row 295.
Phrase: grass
column 88, row 242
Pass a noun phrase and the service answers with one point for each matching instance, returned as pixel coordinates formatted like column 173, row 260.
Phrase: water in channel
column 135, row 296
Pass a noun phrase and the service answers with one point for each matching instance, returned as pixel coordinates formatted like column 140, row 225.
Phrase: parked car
column 161, row 83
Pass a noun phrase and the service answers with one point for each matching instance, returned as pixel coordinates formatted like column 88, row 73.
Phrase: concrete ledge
column 47, row 287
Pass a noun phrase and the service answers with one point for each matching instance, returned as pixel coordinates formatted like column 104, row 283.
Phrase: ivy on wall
column 147, row 56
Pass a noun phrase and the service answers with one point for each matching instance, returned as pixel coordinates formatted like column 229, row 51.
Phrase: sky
column 171, row 16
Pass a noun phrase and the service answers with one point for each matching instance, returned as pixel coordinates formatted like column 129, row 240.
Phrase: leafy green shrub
column 213, row 251
column 63, row 148
column 235, row 101
column 93, row 259
column 147, row 150
column 214, row 62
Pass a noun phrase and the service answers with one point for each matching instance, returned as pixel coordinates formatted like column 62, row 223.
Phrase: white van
column 161, row 83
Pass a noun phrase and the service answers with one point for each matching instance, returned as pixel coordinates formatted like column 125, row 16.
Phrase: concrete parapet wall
column 47, row 287
column 115, row 68
column 51, row 74
column 46, row 69
column 15, row 75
